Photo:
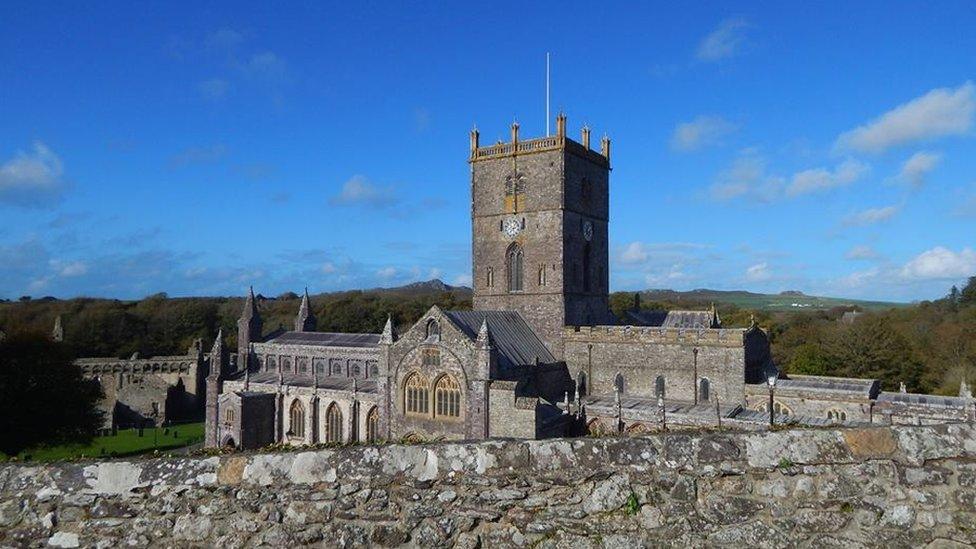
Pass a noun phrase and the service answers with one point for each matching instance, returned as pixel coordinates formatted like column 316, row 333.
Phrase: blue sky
column 824, row 147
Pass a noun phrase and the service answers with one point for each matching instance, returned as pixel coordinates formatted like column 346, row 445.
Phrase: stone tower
column 214, row 378
column 248, row 329
column 539, row 213
column 305, row 320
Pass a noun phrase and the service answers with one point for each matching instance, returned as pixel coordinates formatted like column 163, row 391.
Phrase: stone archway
column 229, row 442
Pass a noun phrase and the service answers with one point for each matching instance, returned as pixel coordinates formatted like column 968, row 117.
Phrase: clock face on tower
column 588, row 231
column 512, row 227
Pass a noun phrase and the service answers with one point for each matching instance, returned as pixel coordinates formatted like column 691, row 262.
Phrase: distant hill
column 423, row 287
column 784, row 301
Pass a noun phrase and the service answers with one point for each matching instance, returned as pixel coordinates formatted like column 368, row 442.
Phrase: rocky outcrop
column 887, row 486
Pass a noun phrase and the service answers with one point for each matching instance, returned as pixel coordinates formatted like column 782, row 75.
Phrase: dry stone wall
column 884, row 486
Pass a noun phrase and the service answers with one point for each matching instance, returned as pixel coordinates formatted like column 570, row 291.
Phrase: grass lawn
column 126, row 443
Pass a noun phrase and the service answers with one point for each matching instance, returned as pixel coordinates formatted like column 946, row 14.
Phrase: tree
column 968, row 294
column 43, row 397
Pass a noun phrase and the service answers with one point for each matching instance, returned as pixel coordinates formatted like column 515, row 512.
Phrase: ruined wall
column 884, row 486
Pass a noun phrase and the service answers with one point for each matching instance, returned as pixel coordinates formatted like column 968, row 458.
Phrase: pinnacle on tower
column 484, row 335
column 305, row 321
column 389, row 334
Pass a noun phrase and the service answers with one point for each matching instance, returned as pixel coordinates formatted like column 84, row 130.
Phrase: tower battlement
column 519, row 147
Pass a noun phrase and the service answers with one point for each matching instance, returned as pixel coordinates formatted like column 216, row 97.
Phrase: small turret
column 389, row 334
column 248, row 329
column 484, row 336
column 58, row 333
column 586, row 137
column 217, row 356
column 305, row 321
column 214, row 386
column 605, row 147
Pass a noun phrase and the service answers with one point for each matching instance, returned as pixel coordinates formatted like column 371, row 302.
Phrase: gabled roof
column 327, row 339
column 927, row 400
column 691, row 319
column 511, row 336
column 866, row 388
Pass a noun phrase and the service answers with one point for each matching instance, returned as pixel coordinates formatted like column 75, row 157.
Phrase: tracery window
column 296, row 424
column 373, row 425
column 272, row 364
column 335, row 366
column 286, row 364
column 704, row 389
column 229, row 415
column 659, row 387
column 301, row 364
column 320, row 366
column 513, row 261
column 333, row 424
column 373, row 368
column 355, row 368
column 416, row 395
column 447, row 397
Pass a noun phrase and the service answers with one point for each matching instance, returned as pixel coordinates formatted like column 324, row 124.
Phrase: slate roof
column 860, row 387
column 915, row 398
column 306, row 380
column 327, row 339
column 691, row 319
column 511, row 336
column 695, row 320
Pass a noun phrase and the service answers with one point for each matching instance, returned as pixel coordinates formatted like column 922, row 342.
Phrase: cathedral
column 540, row 355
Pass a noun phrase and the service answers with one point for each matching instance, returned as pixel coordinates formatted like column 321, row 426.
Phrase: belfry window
column 416, row 395
column 333, row 424
column 296, row 424
column 490, row 277
column 447, row 397
column 513, row 260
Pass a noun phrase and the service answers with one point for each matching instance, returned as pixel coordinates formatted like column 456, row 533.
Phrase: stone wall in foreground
column 885, row 486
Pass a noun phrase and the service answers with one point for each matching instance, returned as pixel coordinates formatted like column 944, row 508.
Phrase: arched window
column 781, row 408
column 513, row 262
column 433, row 329
column 335, row 367
column 490, row 277
column 373, row 425
column 229, row 415
column 586, row 267
column 618, row 382
column 836, row 415
column 355, row 368
column 704, row 389
column 659, row 387
column 598, row 428
column 286, row 364
column 542, row 275
column 320, row 366
column 272, row 364
column 296, row 425
column 333, row 424
column 416, row 395
column 301, row 363
column 447, row 397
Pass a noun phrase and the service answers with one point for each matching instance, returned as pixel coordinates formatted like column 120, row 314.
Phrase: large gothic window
column 333, row 424
column 296, row 415
column 373, row 425
column 416, row 395
column 513, row 261
column 447, row 397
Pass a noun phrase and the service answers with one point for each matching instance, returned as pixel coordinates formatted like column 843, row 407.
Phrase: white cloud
column 387, row 273
column 820, row 179
column 74, row 268
column 870, row 216
column 32, row 179
column 938, row 113
column 914, row 170
column 941, row 263
column 328, row 268
column 700, row 132
column 861, row 253
column 758, row 272
column 746, row 176
column 358, row 190
column 462, row 280
column 724, row 42
column 633, row 253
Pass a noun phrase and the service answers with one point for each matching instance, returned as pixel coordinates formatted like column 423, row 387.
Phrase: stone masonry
column 902, row 486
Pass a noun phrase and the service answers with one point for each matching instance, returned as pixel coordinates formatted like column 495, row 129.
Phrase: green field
column 126, row 443
column 786, row 301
